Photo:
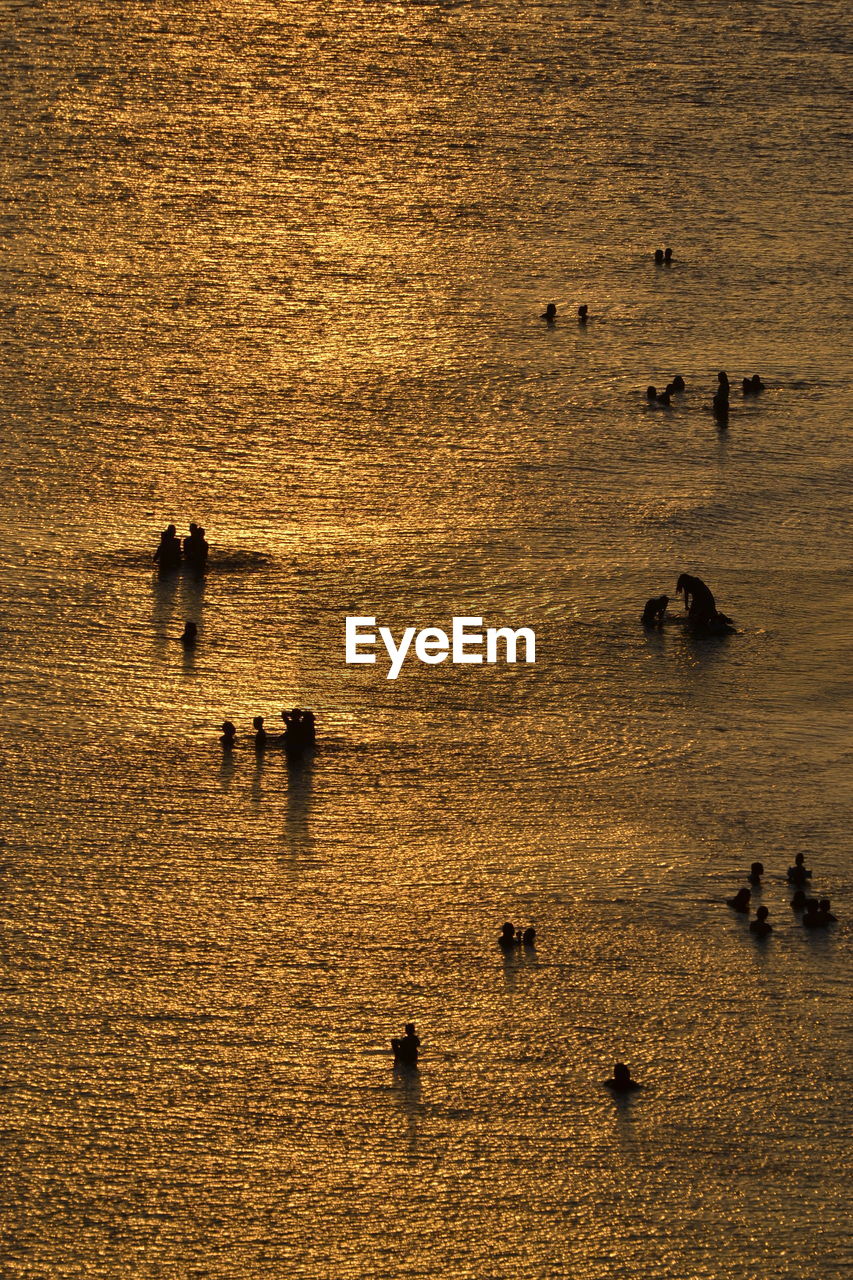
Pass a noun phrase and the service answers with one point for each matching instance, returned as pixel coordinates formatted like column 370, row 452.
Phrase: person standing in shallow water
column 406, row 1047
column 620, row 1081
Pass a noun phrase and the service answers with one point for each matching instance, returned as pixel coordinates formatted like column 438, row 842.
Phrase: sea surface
column 279, row 268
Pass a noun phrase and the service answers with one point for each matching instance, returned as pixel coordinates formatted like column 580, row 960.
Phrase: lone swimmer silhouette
column 406, row 1047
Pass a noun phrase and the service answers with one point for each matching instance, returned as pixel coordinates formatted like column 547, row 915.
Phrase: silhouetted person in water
column 651, row 393
column 667, row 256
column 759, row 925
column 797, row 874
column 659, row 257
column 798, row 902
column 663, row 397
column 621, row 1081
column 756, row 384
column 823, row 910
column 550, row 313
column 300, row 730
column 583, row 314
column 756, row 871
column 721, row 397
column 168, row 553
column 698, row 600
column 190, row 635
column 507, row 935
column 653, row 613
column 678, row 383
column 811, row 915
column 528, row 938
column 746, row 386
column 406, row 1047
column 260, row 732
column 229, row 733
column 740, row 902
column 196, row 548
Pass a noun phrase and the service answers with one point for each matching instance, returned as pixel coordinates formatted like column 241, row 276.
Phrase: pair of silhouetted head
column 663, row 255
column 550, row 313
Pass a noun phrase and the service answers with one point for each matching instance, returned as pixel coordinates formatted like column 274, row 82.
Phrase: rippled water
column 279, row 268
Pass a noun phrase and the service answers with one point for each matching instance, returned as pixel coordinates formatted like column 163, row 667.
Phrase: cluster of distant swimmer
column 816, row 913
column 300, row 732
column 702, row 612
column 171, row 552
column 720, row 403
column 512, row 937
column 406, row 1048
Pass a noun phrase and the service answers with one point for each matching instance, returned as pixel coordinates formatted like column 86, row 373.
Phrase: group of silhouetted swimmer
column 674, row 388
column 512, row 937
column 300, row 732
column 171, row 553
column 816, row 912
column 549, row 315
column 406, row 1048
column 702, row 611
column 720, row 403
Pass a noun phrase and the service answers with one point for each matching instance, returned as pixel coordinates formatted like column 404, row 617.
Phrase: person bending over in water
column 620, row 1081
column 653, row 614
column 759, row 925
column 406, row 1047
column 740, row 902
column 698, row 599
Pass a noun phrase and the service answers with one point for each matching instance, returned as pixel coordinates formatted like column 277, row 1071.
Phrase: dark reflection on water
column 300, row 781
